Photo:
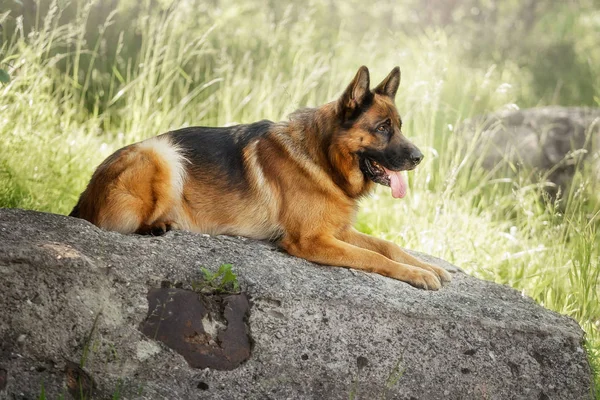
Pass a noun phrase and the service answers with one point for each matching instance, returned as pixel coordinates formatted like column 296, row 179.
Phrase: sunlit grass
column 239, row 65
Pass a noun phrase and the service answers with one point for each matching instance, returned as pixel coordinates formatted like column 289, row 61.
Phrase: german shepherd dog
column 295, row 182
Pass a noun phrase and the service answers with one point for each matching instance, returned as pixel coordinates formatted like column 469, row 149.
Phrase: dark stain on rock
column 209, row 331
column 361, row 362
column 470, row 352
column 80, row 383
column 540, row 358
column 514, row 369
column 3, row 379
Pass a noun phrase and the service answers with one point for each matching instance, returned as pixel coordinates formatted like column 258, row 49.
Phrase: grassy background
column 89, row 77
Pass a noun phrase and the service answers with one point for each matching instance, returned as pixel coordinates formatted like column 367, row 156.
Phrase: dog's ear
column 356, row 93
column 389, row 86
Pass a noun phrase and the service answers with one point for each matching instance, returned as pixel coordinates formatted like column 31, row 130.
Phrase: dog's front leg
column 331, row 251
column 390, row 250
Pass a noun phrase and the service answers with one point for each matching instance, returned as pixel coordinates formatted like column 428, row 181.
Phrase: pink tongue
column 397, row 183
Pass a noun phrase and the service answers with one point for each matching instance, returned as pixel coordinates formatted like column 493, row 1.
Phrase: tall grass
column 74, row 98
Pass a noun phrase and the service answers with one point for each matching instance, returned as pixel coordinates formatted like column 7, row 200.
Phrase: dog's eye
column 384, row 127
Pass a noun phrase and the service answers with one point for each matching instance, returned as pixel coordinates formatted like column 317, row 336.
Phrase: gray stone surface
column 550, row 141
column 70, row 289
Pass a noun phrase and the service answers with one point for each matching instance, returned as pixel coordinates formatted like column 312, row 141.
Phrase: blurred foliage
column 4, row 76
column 553, row 43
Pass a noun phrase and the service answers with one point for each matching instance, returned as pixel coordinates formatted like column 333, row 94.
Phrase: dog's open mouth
column 380, row 174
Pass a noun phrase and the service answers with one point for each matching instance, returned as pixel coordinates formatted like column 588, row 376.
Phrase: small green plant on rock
column 222, row 281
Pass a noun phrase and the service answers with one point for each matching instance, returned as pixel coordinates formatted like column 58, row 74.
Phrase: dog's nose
column 416, row 156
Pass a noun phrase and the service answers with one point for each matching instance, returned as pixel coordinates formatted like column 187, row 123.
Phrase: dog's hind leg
column 137, row 189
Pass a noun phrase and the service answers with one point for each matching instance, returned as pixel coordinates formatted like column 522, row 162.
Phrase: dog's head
column 371, row 129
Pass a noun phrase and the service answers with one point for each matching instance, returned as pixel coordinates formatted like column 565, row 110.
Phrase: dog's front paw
column 424, row 279
column 444, row 275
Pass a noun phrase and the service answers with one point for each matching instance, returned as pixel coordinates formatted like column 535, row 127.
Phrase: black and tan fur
column 296, row 182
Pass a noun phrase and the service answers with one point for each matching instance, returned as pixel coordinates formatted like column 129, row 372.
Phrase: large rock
column 550, row 141
column 75, row 296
